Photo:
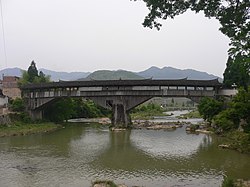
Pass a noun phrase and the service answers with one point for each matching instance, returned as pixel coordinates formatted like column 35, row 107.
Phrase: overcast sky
column 89, row 35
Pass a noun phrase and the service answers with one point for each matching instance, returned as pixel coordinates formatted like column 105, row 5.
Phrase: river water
column 81, row 153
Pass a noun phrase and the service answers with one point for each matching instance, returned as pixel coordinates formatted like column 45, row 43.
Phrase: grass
column 239, row 141
column 192, row 114
column 228, row 182
column 146, row 115
column 20, row 129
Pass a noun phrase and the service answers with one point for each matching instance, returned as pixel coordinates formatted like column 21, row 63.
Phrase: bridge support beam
column 120, row 116
column 36, row 114
column 120, row 106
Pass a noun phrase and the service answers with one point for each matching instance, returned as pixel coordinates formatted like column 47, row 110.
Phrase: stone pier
column 120, row 106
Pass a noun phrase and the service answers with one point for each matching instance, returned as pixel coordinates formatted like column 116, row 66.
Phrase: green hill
column 112, row 75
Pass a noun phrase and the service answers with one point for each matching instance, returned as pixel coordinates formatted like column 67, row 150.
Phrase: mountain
column 112, row 75
column 173, row 73
column 56, row 76
column 153, row 72
column 11, row 72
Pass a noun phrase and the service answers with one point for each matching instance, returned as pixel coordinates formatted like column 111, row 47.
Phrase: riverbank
column 21, row 129
column 145, row 124
column 236, row 140
column 107, row 183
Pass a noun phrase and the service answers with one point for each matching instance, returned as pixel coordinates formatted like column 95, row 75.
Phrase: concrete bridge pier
column 36, row 114
column 120, row 106
column 120, row 116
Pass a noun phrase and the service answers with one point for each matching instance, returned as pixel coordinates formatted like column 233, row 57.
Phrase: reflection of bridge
column 119, row 95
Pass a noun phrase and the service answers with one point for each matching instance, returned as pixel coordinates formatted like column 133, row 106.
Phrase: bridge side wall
column 120, row 99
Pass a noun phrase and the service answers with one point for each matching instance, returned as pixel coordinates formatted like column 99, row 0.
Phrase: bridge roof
column 144, row 82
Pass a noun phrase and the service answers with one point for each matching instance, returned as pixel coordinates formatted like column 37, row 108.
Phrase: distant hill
column 55, row 76
column 173, row 73
column 112, row 75
column 11, row 72
column 153, row 72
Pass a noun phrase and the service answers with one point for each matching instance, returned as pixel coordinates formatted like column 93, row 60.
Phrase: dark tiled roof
column 145, row 82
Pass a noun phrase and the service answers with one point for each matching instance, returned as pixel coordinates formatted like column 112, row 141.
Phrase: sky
column 90, row 35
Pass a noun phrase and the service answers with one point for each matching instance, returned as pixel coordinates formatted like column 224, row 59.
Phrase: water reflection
column 78, row 154
column 167, row 144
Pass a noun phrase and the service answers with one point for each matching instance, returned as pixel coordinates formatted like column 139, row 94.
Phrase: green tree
column 241, row 104
column 60, row 110
column 67, row 108
column 226, row 120
column 32, row 72
column 32, row 76
column 237, row 72
column 209, row 107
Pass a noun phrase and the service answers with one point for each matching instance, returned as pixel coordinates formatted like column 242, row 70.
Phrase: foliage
column 88, row 109
column 237, row 72
column 20, row 128
column 32, row 72
column 228, row 182
column 67, row 108
column 60, row 110
column 147, row 111
column 191, row 114
column 226, row 121
column 17, row 105
column 209, row 107
column 229, row 118
column 32, row 76
column 20, row 117
column 241, row 105
column 239, row 141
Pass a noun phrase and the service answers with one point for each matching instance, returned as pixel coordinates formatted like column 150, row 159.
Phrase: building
column 10, row 87
column 3, row 104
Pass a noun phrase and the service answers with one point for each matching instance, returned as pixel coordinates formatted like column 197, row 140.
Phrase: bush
column 209, row 108
column 22, row 117
column 239, row 141
column 228, row 182
column 224, row 122
column 17, row 105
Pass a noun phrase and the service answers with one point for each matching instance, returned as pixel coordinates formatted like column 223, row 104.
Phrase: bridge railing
column 142, row 92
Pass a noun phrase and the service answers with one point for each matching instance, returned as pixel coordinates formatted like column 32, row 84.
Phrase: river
column 84, row 152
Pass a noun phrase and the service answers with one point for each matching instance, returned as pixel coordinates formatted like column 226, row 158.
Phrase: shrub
column 228, row 182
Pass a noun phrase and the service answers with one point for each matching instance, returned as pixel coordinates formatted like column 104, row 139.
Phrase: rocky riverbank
column 190, row 128
column 144, row 124
column 108, row 183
